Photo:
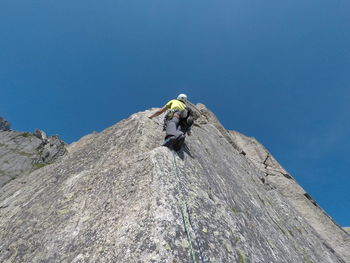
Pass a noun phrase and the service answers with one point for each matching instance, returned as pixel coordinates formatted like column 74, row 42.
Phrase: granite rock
column 276, row 177
column 4, row 124
column 117, row 196
column 22, row 152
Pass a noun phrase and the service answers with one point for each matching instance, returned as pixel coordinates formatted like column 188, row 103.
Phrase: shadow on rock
column 184, row 149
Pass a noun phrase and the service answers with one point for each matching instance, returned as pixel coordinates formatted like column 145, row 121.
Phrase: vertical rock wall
column 275, row 177
column 117, row 196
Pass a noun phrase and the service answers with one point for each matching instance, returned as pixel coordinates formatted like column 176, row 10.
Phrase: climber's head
column 182, row 97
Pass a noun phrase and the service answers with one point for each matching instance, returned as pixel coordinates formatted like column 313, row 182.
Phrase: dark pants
column 173, row 129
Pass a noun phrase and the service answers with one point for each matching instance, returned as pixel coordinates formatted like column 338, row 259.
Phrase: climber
column 178, row 121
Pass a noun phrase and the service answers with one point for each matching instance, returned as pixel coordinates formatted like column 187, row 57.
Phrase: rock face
column 4, row 124
column 22, row 152
column 117, row 196
column 278, row 178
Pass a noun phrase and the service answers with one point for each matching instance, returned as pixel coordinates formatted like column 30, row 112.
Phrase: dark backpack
column 186, row 119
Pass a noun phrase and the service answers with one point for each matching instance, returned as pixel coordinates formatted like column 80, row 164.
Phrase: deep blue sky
column 275, row 70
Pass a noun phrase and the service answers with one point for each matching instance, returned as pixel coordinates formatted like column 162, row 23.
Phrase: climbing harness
column 187, row 219
column 168, row 116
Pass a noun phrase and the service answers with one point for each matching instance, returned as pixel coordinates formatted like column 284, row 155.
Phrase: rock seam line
column 186, row 213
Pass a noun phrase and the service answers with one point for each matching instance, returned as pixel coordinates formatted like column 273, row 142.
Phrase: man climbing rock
column 178, row 121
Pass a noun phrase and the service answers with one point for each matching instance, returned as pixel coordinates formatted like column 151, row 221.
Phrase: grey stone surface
column 117, row 196
column 4, row 124
column 40, row 134
column 22, row 152
column 275, row 177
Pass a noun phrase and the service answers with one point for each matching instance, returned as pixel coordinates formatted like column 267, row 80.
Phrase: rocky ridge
column 276, row 177
column 23, row 152
column 117, row 196
column 4, row 124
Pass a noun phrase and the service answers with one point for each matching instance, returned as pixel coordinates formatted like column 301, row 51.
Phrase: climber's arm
column 158, row 112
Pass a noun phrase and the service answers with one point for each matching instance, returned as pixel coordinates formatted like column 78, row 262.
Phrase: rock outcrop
column 4, row 124
column 117, row 196
column 23, row 152
column 278, row 178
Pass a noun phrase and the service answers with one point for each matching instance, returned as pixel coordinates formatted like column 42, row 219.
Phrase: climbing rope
column 187, row 219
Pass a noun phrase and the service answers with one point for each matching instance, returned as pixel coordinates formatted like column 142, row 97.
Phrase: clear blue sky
column 275, row 70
